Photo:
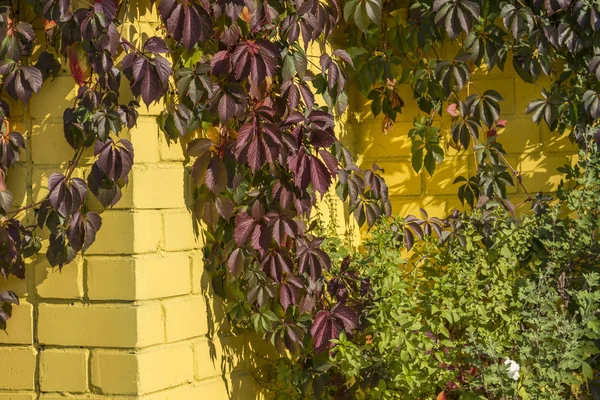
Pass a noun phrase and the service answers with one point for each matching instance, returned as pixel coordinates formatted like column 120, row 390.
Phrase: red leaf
column 78, row 63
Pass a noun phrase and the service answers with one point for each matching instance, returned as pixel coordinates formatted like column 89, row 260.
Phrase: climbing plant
column 236, row 80
column 253, row 87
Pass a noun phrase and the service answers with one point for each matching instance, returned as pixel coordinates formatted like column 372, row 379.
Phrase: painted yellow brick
column 87, row 396
column 17, row 182
column 436, row 206
column 171, row 150
column 115, row 372
column 138, row 278
column 213, row 389
column 505, row 86
column 185, row 318
column 166, row 367
column 49, row 146
column 401, row 178
column 53, row 98
column 20, row 327
column 51, row 282
column 39, row 180
column 111, row 278
column 17, row 396
column 526, row 92
column 555, row 142
column 521, row 135
column 442, row 180
column 128, row 233
column 144, row 138
column 221, row 355
column 539, row 171
column 245, row 387
column 18, row 368
column 64, row 370
column 179, row 231
column 373, row 144
column 159, row 186
column 118, row 325
column 197, row 271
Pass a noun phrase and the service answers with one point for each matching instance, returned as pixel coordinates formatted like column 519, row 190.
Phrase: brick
column 20, row 327
column 185, row 318
column 166, row 367
column 197, row 271
column 145, row 140
column 100, row 325
column 179, row 231
column 64, row 370
column 17, row 181
column 505, row 86
column 527, row 92
column 53, row 99
column 17, row 396
column 401, row 178
column 539, row 171
column 171, row 150
column 159, row 186
column 18, row 368
column 557, row 142
column 138, row 278
column 221, row 355
column 49, row 147
column 436, row 206
column 213, row 389
column 521, row 135
column 111, row 278
column 54, row 283
column 128, row 233
column 442, row 180
column 143, row 372
column 115, row 372
column 376, row 145
column 39, row 181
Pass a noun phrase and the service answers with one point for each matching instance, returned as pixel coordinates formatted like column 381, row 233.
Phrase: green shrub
column 445, row 318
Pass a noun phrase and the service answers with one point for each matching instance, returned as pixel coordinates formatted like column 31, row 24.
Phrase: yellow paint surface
column 135, row 317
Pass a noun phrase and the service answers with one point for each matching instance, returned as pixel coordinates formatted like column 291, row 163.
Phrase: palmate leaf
column 546, row 109
column 363, row 12
column 485, row 107
column 148, row 76
column 258, row 141
column 591, row 103
column 453, row 75
column 456, row 15
column 518, row 21
column 256, row 59
column 22, row 82
column 328, row 325
column 115, row 159
column 66, row 196
column 186, row 20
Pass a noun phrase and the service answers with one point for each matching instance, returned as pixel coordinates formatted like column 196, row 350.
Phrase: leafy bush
column 446, row 318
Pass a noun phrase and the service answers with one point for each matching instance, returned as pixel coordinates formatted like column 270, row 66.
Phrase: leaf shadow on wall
column 237, row 357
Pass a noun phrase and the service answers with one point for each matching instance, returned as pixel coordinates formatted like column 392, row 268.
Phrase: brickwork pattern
column 135, row 317
column 532, row 149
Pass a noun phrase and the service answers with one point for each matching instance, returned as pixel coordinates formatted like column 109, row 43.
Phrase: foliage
column 235, row 80
column 439, row 46
column 440, row 320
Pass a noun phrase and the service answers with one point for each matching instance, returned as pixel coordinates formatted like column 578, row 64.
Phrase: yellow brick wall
column 532, row 149
column 135, row 317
